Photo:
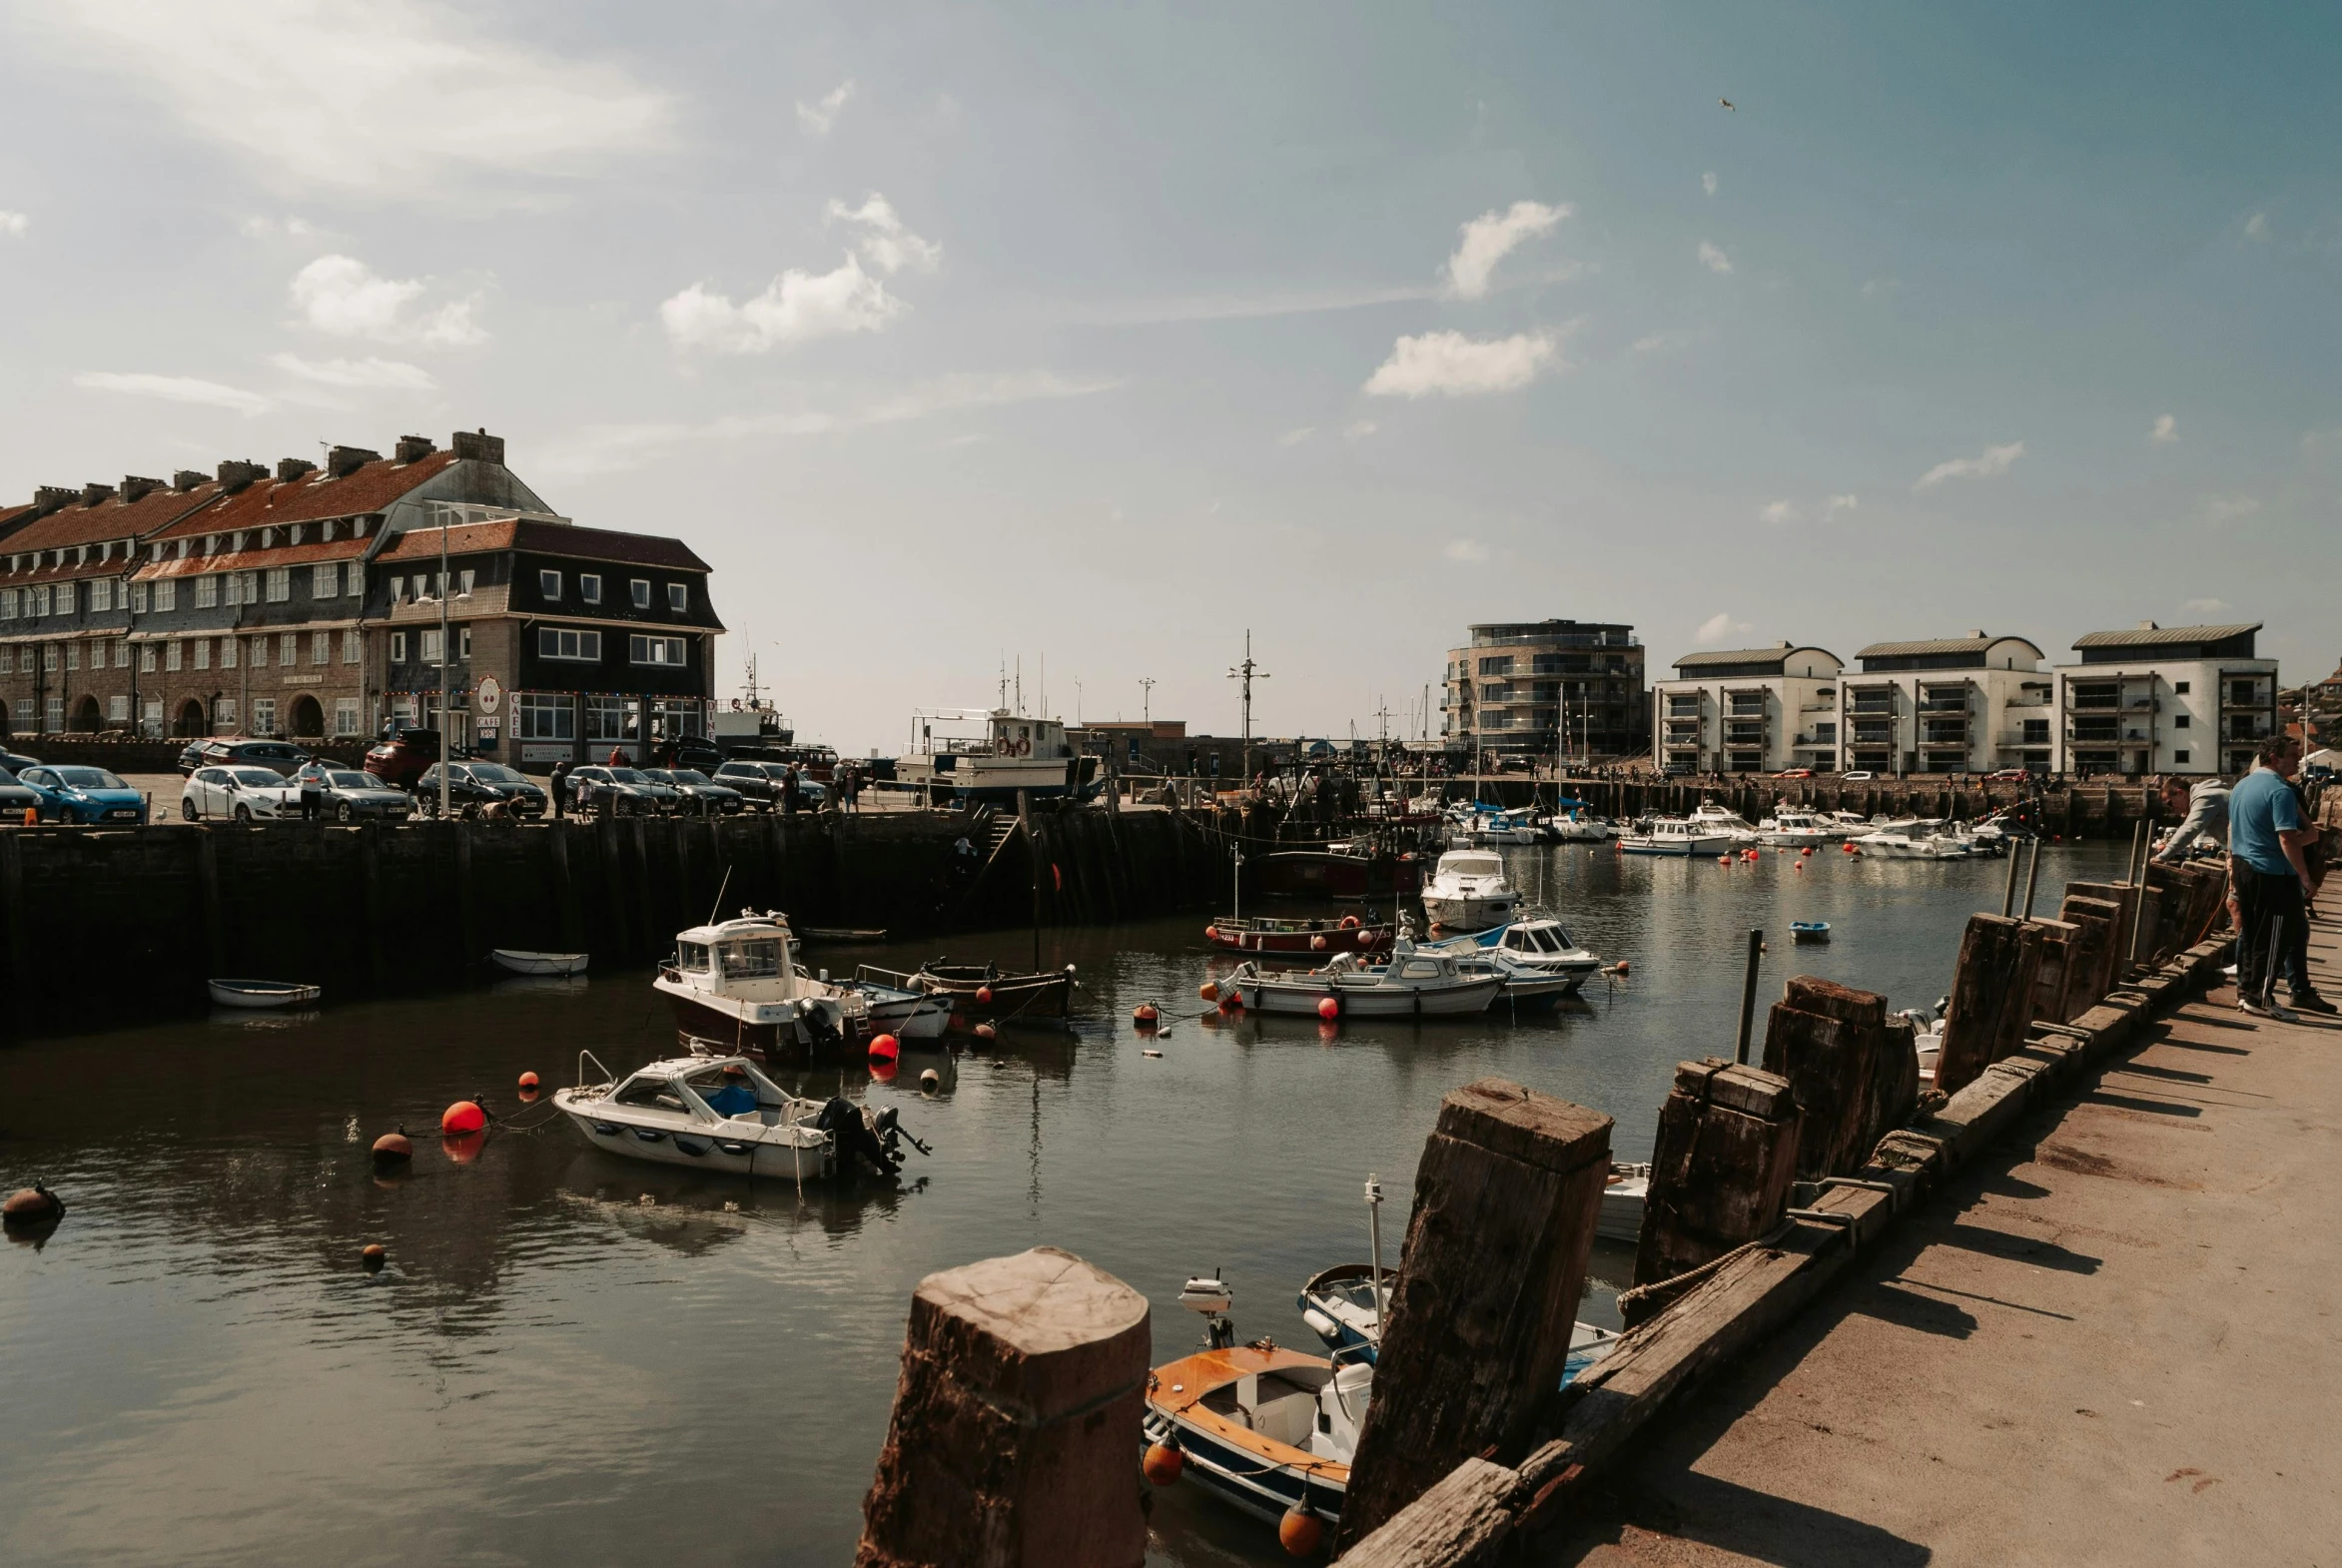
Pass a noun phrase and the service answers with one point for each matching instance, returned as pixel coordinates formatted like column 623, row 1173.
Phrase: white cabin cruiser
column 1915, row 838
column 736, row 986
column 1674, row 836
column 1788, row 828
column 1538, row 943
column 1468, row 892
column 721, row 1113
column 1011, row 754
column 1576, row 827
column 1709, row 817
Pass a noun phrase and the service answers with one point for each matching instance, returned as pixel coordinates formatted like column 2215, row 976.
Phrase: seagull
column 1727, row 103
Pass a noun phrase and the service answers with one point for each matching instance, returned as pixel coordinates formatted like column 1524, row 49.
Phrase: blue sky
column 1097, row 334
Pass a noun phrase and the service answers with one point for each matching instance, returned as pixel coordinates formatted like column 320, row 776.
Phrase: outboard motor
column 843, row 1120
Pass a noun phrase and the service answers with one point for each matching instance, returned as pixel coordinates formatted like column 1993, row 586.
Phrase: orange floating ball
column 987, row 1032
column 983, row 995
column 463, row 1116
column 393, row 1148
column 1328, row 1009
column 1317, row 943
column 1209, row 992
column 1146, row 1014
column 1163, row 1463
column 885, row 1049
column 529, row 1080
column 1300, row 1532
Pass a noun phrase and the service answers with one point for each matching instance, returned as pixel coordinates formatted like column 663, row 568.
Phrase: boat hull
column 1469, row 912
column 1301, row 940
column 701, row 1152
column 520, row 963
column 1681, row 847
column 261, row 994
column 1013, row 996
column 1297, row 873
column 1300, row 1000
column 1259, row 1486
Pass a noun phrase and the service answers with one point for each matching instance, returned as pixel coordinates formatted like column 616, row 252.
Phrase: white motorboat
column 1788, row 828
column 736, row 986
column 1339, row 1305
column 1416, row 983
column 1538, row 944
column 1674, row 836
column 1577, row 828
column 1845, row 824
column 1621, row 1215
column 721, row 1113
column 1468, row 892
column 1709, row 817
column 1916, row 838
column 521, row 961
column 263, row 993
column 905, row 1015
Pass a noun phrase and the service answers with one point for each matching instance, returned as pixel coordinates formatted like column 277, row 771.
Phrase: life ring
column 1024, row 748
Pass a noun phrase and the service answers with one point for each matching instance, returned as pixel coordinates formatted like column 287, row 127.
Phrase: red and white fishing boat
column 1303, row 941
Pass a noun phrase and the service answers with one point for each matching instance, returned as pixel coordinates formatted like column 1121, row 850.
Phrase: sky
column 1086, row 339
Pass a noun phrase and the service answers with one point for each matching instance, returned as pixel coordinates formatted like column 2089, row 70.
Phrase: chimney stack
column 480, row 445
column 293, row 468
column 236, row 475
column 49, row 497
column 91, row 494
column 342, row 461
column 414, row 448
column 188, row 478
column 132, row 487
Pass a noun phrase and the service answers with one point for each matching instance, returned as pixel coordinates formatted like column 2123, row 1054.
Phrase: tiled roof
column 489, row 598
column 361, row 493
column 111, row 519
column 2164, row 636
column 1904, row 650
column 551, row 539
column 254, row 560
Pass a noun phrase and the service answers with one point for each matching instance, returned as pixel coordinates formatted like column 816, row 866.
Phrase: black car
column 14, row 797
column 15, row 763
column 702, row 796
column 228, row 752
column 476, row 784
column 757, row 783
column 622, row 792
column 688, row 751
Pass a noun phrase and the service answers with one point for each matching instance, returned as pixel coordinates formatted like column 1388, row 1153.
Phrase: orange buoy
column 1163, row 1463
column 373, row 1256
column 1723, row 860
column 1232, row 1000
column 885, row 1049
column 529, row 1080
column 987, row 1032
column 1146, row 1014
column 393, row 1148
column 1620, row 966
column 983, row 995
column 1317, row 943
column 1208, row 992
column 1796, row 865
column 1329, row 1008
column 31, row 1205
column 1300, row 1532
column 1349, row 922
column 1212, row 933
column 465, row 1115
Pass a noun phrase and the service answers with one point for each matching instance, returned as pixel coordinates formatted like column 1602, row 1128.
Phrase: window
column 102, row 598
column 7, row 661
column 73, row 655
column 589, row 587
column 671, row 716
column 24, row 713
column 398, row 647
column 2181, row 687
column 174, row 655
column 203, row 654
column 422, row 586
column 612, row 718
column 289, row 647
column 228, row 647
column 118, row 709
column 2239, row 691
column 678, row 596
column 344, row 715
column 321, row 647
column 641, row 593
column 353, row 578
column 545, row 716
column 325, row 580
column 146, row 658
column 206, row 593
column 223, row 716
column 2037, row 732
column 36, row 601
column 430, row 652
column 2180, row 757
column 122, row 657
column 350, row 645
column 55, row 710
column 65, row 607
column 150, row 718
column 10, row 598
column 2180, row 722
column 264, row 715
column 554, row 642
column 464, row 581
column 656, row 651
column 548, row 583
column 464, row 642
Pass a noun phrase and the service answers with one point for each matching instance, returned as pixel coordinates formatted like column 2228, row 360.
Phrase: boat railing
column 585, row 1057
column 873, row 974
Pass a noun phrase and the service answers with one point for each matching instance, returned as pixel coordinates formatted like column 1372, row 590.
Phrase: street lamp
column 446, row 662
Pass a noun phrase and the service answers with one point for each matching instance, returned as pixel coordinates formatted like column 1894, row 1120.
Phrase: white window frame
column 640, row 589
column 655, row 651
column 589, row 587
column 398, row 647
column 679, row 597
column 584, row 647
column 549, row 586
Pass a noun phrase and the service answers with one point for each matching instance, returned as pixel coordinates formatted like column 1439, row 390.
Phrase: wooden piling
column 1827, row 1039
column 13, row 911
column 1487, row 1290
column 1721, row 1166
column 2092, row 954
column 2061, row 947
column 467, row 912
column 1016, row 1426
column 1992, row 998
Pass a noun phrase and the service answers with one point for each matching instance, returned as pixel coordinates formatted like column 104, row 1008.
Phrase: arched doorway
column 308, row 719
column 190, row 721
column 86, row 716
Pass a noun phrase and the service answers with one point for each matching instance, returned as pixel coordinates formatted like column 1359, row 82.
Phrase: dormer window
column 211, row 544
column 641, row 593
column 296, row 533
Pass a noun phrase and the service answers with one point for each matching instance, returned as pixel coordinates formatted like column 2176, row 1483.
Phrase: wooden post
column 2061, row 945
column 2124, row 897
column 1992, row 998
column 2091, row 962
column 370, row 873
column 466, row 921
column 1827, row 1040
column 12, row 909
column 564, row 890
column 1488, row 1286
column 207, row 870
column 614, row 884
column 1720, row 1169
column 1016, row 1421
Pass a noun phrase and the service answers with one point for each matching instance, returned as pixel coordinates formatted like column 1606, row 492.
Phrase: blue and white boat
column 1539, row 944
column 1340, row 1307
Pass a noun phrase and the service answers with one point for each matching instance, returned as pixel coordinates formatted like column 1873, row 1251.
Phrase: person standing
column 2266, row 866
column 558, row 786
column 789, row 791
column 2207, row 807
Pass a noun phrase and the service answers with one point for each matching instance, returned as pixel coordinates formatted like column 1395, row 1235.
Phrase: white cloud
column 343, row 298
column 1838, row 503
column 607, row 449
column 1467, row 551
column 2227, row 508
column 2205, row 608
column 1359, row 430
column 13, row 224
column 367, row 98
column 1672, row 340
column 1776, row 511
column 1491, row 236
column 174, row 389
column 1294, row 437
column 1991, row 460
column 815, row 119
column 1719, row 626
column 2166, row 430
column 1713, row 258
column 883, row 242
column 1455, row 365
column 368, row 372
column 2257, row 227
column 796, row 306
column 1707, row 182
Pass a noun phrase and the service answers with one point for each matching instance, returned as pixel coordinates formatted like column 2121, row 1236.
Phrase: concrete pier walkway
column 2114, row 1338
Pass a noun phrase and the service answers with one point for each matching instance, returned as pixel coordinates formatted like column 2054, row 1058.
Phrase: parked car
column 479, row 784
column 624, row 792
column 17, row 764
column 757, row 783
column 84, row 795
column 701, row 795
column 14, row 797
column 242, row 793
column 281, row 757
column 1859, row 776
column 687, row 751
column 2010, row 773
column 352, row 794
column 403, row 753
column 1795, row 773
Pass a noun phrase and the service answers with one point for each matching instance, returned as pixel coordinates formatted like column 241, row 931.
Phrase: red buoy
column 1146, row 1014
column 1208, row 991
column 529, row 1080
column 885, row 1049
column 1620, row 966
column 393, row 1148
column 983, row 995
column 1163, row 1463
column 463, row 1116
column 987, row 1032
column 1329, row 1008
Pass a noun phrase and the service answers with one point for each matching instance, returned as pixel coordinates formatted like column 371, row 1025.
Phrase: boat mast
column 1247, row 673
column 1375, row 1247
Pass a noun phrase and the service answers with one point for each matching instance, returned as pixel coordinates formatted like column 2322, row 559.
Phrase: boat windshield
column 692, row 956
column 1472, row 865
column 759, row 958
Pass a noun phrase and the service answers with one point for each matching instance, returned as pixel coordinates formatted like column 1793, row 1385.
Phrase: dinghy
column 521, row 962
column 1809, row 930
column 263, row 993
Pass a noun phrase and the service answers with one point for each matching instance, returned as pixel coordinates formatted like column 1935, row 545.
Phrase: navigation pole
column 1247, row 672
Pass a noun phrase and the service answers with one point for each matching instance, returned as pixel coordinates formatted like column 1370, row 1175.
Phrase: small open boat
column 521, row 962
column 1809, row 930
column 1416, row 983
column 842, row 933
column 1302, row 941
column 263, row 993
column 1340, row 1308
column 983, row 990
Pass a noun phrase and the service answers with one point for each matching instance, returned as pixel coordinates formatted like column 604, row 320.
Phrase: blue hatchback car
column 83, row 795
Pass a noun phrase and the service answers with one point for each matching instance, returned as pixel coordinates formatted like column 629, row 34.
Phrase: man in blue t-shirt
column 736, row 1097
column 2266, row 837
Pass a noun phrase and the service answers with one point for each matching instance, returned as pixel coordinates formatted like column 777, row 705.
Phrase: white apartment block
column 2165, row 699
column 1749, row 710
column 1969, row 704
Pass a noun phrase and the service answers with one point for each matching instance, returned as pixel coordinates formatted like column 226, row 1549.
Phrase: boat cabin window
column 754, row 959
column 693, row 956
column 1475, row 864
column 1421, row 969
column 644, row 1089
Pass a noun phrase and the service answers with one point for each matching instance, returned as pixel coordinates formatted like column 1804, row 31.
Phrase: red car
column 1795, row 773
column 403, row 754
column 2010, row 773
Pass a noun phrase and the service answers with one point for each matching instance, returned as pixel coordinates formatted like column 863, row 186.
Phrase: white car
column 241, row 793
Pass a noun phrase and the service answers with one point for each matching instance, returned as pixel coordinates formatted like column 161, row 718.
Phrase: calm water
column 574, row 1358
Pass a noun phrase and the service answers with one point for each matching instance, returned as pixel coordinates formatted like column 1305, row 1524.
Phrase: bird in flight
column 1727, row 103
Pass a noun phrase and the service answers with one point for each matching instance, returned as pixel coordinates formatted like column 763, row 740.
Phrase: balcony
column 2095, row 699
column 1936, row 743
column 1873, row 734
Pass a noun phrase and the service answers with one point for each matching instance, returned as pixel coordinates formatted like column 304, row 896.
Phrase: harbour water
column 572, row 1359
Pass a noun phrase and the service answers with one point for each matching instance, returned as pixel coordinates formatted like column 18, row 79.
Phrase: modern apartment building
column 1749, row 710
column 2165, row 699
column 1967, row 704
column 1551, row 687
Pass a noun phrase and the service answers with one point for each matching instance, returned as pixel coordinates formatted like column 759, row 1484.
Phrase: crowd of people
column 2275, row 867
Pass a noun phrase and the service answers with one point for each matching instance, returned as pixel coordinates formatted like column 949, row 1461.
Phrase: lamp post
column 447, row 668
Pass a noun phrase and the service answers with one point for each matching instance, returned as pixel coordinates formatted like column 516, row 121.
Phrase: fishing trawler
column 999, row 755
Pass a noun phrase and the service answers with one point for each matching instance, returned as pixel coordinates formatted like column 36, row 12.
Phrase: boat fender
column 606, row 1130
column 393, row 1148
column 529, row 1080
column 1208, row 992
column 373, row 1258
column 1146, row 1014
column 1163, row 1461
column 984, row 995
column 695, row 1151
column 32, row 1205
column 930, row 1080
column 1329, row 1007
column 985, row 1033
column 650, row 1134
column 1321, row 1325
column 1212, row 933
column 1317, row 943
column 1302, row 1530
